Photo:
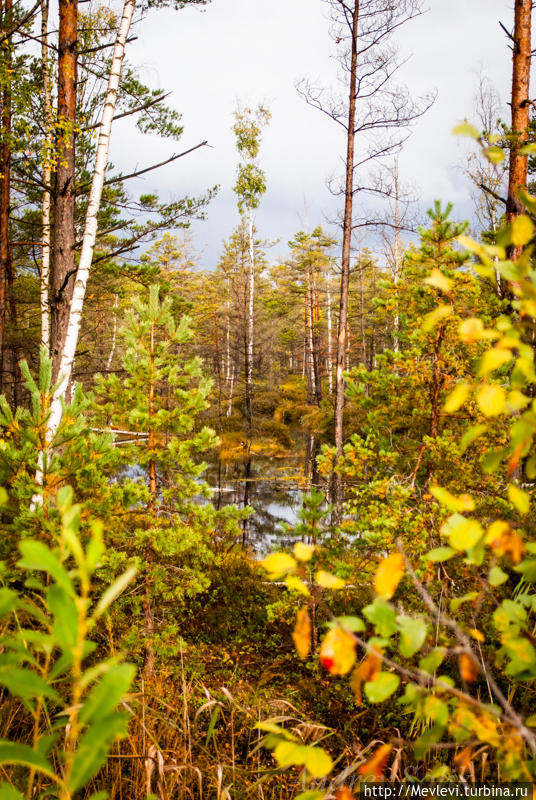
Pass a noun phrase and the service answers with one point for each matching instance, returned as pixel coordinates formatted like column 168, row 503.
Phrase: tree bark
column 5, row 188
column 345, row 267
column 90, row 232
column 520, row 104
column 45, row 209
column 250, row 327
column 63, row 254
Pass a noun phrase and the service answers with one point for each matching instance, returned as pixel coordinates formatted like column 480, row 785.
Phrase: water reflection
column 272, row 486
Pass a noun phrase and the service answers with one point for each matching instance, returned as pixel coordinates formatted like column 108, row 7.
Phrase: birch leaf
column 302, row 633
column 388, row 575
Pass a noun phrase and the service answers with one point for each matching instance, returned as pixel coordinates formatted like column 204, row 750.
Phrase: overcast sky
column 254, row 51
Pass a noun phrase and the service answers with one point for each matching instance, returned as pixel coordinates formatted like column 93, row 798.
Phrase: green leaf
column 8, row 792
column 311, row 794
column 466, row 129
column 113, row 591
column 497, row 576
column 470, row 435
column 382, row 687
column 14, row 753
column 106, row 695
column 26, row 684
column 494, row 154
column 37, row 556
column 440, row 554
column 382, row 616
column 456, row 602
column 353, row 624
column 412, row 635
column 8, row 602
column 94, row 747
column 65, row 614
column 433, row 660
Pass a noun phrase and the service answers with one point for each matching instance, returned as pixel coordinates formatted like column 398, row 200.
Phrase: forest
column 266, row 522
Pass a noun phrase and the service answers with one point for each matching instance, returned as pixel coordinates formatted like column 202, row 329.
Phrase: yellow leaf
column 431, row 319
column 388, row 575
column 519, row 499
column 478, row 635
column 491, row 400
column 471, row 330
column 462, row 503
column 457, row 397
column 438, row 280
column 303, row 552
column 337, row 651
column 293, row 582
column 328, row 581
column 302, row 633
column 278, row 563
column 465, row 534
column 522, row 230
column 493, row 359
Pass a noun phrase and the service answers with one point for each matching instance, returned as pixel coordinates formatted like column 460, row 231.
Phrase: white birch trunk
column 114, row 334
column 310, row 343
column 330, row 346
column 90, row 232
column 228, row 337
column 47, row 176
column 230, row 407
column 396, row 260
column 251, row 300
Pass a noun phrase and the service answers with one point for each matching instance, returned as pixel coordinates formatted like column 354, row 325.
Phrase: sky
column 253, row 51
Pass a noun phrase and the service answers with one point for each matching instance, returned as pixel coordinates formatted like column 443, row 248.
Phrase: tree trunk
column 148, row 665
column 330, row 349
column 63, row 255
column 47, row 177
column 90, row 232
column 345, row 268
column 5, row 187
column 249, row 347
column 520, row 104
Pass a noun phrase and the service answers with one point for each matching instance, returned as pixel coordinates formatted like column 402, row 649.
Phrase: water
column 272, row 486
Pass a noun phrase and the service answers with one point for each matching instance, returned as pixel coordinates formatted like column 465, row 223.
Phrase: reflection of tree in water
column 272, row 487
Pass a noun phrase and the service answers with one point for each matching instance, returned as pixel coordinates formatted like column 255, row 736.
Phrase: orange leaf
column 337, row 651
column 344, row 793
column 388, row 575
column 504, row 541
column 302, row 633
column 377, row 762
column 463, row 759
column 468, row 668
column 369, row 668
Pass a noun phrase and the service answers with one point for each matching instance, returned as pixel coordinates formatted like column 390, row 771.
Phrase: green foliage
column 66, row 696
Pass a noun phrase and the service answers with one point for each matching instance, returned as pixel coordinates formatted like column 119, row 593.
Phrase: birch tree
column 90, row 231
column 249, row 188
